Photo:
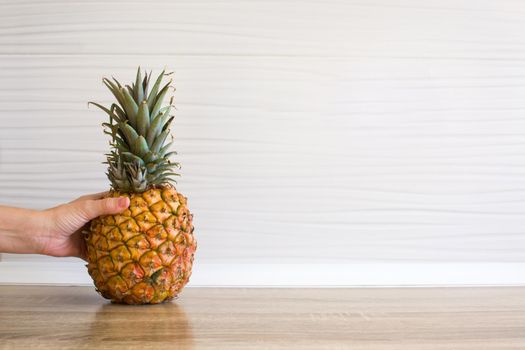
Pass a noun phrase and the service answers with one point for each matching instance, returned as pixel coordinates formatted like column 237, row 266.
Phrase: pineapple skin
column 145, row 254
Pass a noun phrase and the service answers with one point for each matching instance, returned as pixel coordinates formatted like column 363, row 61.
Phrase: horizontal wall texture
column 329, row 135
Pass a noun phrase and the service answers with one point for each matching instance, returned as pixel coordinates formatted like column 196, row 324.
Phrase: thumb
column 107, row 206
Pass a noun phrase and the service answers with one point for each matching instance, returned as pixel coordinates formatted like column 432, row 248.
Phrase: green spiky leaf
column 160, row 99
column 143, row 119
column 138, row 88
column 152, row 96
column 140, row 147
column 159, row 141
column 130, row 106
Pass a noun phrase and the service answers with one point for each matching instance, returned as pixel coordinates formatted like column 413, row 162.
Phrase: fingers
column 107, row 206
column 99, row 195
column 78, row 245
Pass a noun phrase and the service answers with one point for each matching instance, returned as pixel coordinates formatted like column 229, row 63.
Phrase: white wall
column 322, row 142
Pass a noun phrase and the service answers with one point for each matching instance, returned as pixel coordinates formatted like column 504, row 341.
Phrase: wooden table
column 222, row 318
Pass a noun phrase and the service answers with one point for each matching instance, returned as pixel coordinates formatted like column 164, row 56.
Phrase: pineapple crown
column 139, row 127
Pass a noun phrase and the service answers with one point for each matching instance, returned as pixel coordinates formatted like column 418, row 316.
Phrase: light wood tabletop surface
column 226, row 318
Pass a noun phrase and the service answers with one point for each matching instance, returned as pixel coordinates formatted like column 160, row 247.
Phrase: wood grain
column 309, row 132
column 431, row 318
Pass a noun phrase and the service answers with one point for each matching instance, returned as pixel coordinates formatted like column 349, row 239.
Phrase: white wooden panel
column 310, row 132
column 293, row 275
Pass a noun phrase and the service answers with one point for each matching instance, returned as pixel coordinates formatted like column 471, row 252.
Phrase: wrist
column 36, row 231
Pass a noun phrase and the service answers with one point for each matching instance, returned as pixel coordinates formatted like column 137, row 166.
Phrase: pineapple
column 145, row 254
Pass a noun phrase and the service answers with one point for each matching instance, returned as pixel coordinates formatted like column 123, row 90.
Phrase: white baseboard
column 289, row 275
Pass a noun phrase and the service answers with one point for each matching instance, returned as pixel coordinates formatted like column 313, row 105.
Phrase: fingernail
column 123, row 202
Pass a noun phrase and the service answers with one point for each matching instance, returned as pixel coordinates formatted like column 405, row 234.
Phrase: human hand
column 66, row 222
column 56, row 231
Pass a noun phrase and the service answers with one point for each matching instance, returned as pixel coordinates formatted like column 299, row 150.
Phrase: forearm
column 20, row 230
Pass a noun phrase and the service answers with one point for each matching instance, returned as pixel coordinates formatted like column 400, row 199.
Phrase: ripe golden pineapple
column 145, row 254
